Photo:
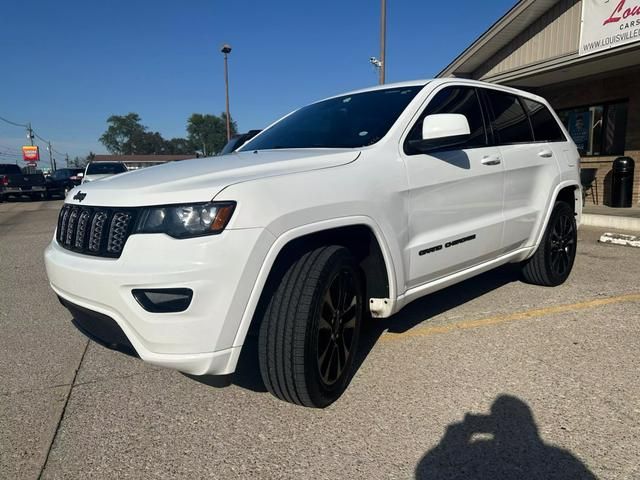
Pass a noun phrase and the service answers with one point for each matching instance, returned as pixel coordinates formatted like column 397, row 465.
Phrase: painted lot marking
column 498, row 319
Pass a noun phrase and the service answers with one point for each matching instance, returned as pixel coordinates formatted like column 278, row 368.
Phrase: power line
column 32, row 134
column 14, row 123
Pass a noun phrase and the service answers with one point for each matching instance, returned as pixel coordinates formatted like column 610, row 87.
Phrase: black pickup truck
column 14, row 182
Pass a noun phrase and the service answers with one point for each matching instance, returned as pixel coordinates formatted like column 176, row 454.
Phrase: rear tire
column 310, row 330
column 551, row 265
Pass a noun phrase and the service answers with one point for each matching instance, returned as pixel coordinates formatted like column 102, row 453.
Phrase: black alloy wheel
column 337, row 327
column 310, row 327
column 552, row 262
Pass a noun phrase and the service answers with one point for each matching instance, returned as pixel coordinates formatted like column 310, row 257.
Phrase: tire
column 551, row 265
column 301, row 330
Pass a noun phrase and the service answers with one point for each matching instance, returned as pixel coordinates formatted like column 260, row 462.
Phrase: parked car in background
column 238, row 140
column 15, row 183
column 99, row 170
column 63, row 180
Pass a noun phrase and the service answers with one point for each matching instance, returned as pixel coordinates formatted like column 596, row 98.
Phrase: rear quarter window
column 510, row 121
column 545, row 127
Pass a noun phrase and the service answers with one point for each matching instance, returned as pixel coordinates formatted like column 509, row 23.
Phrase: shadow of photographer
column 502, row 445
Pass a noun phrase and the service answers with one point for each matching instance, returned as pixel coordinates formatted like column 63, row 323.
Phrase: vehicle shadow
column 247, row 374
column 505, row 444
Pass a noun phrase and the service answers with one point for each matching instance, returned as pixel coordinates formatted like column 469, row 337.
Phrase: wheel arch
column 360, row 234
column 568, row 191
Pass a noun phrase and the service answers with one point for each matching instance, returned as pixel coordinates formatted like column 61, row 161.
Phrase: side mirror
column 442, row 130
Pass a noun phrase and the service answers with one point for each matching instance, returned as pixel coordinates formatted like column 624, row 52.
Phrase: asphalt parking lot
column 491, row 378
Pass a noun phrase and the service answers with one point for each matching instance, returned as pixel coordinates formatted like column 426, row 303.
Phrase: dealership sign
column 608, row 24
column 31, row 154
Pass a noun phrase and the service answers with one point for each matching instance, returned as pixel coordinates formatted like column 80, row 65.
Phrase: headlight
column 185, row 221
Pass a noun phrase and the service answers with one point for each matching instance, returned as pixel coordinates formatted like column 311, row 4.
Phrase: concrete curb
column 610, row 221
column 619, row 239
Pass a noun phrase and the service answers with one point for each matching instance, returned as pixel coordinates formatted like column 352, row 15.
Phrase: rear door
column 531, row 168
column 455, row 195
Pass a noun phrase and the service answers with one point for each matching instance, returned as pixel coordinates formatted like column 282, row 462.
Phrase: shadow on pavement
column 503, row 445
column 247, row 373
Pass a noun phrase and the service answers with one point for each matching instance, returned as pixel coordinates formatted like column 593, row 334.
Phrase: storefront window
column 597, row 129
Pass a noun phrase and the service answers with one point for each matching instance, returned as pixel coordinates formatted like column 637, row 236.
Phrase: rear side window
column 510, row 121
column 545, row 127
column 462, row 100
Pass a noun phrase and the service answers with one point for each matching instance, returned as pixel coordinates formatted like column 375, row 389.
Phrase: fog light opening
column 163, row 300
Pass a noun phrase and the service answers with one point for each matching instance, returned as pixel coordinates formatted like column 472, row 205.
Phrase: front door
column 455, row 196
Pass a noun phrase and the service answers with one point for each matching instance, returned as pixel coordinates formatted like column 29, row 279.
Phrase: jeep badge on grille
column 79, row 196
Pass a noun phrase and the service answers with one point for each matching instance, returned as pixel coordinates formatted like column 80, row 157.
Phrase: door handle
column 545, row 153
column 491, row 160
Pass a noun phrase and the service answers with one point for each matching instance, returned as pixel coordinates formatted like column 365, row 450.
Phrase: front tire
column 551, row 265
column 310, row 330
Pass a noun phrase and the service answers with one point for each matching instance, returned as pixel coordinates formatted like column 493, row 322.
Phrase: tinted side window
column 510, row 123
column 462, row 100
column 545, row 127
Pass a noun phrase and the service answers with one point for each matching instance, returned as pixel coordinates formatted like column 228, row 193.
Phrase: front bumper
column 220, row 269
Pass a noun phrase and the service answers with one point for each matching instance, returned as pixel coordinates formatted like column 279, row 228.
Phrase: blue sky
column 67, row 66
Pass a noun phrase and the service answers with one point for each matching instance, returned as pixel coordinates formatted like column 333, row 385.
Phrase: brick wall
column 600, row 89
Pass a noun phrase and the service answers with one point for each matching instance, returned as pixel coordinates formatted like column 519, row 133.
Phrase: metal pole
column 52, row 161
column 383, row 41
column 30, row 133
column 226, row 50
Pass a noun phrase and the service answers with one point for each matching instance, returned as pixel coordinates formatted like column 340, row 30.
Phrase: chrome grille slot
column 118, row 232
column 95, row 235
column 81, row 232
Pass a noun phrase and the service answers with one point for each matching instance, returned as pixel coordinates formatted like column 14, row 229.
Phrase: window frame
column 421, row 116
column 555, row 118
column 492, row 117
column 605, row 108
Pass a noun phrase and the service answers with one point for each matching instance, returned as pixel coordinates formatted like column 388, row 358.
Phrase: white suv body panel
column 408, row 203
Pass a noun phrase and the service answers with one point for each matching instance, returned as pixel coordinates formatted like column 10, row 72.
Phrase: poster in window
column 579, row 123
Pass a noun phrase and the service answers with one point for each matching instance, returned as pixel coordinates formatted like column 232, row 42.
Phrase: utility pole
column 52, row 161
column 383, row 41
column 30, row 135
column 226, row 50
column 66, row 158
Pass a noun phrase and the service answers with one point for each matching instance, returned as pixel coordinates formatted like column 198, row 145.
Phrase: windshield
column 349, row 121
column 105, row 168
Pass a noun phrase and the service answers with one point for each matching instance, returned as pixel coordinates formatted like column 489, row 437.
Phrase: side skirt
column 444, row 282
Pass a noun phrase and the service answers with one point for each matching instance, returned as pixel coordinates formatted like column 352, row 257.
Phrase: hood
column 93, row 178
column 200, row 180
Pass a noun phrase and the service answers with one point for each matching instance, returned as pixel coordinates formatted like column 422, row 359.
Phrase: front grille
column 98, row 231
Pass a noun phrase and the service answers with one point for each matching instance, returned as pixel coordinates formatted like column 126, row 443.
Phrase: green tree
column 180, row 146
column 208, row 133
column 123, row 133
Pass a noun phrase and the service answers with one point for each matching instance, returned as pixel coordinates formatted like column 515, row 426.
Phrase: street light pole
column 383, row 41
column 226, row 49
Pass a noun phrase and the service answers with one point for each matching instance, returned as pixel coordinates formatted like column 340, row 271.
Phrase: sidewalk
column 615, row 218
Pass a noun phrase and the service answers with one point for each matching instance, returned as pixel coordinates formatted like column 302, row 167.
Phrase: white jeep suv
column 346, row 209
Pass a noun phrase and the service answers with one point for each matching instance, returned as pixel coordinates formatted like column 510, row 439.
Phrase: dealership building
column 584, row 57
